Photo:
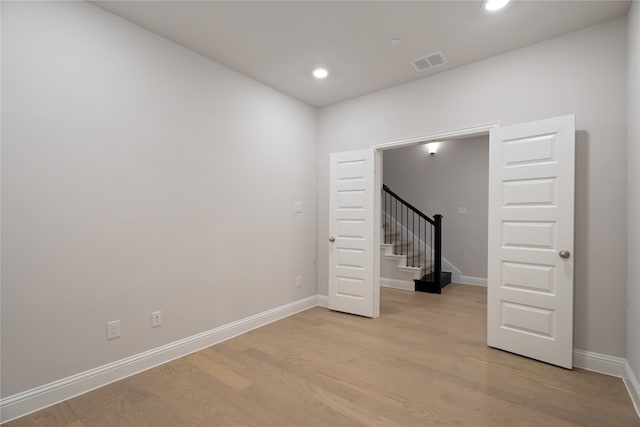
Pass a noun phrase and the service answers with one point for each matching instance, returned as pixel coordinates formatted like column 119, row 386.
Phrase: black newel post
column 437, row 252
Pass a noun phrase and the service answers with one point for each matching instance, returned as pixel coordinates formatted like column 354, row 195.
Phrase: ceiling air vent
column 429, row 61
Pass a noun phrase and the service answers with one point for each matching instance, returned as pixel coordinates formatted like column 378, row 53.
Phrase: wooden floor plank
column 424, row 362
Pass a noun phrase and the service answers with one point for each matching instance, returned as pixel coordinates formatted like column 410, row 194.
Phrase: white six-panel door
column 531, row 213
column 350, row 240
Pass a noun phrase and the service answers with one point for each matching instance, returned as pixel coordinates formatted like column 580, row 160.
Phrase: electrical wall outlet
column 113, row 329
column 156, row 319
column 297, row 207
column 298, row 281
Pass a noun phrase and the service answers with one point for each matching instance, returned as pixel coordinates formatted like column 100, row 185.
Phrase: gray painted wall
column 139, row 176
column 115, row 201
column 633, row 284
column 456, row 177
column 552, row 78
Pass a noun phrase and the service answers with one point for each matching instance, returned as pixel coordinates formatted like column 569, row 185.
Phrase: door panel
column 531, row 209
column 351, row 229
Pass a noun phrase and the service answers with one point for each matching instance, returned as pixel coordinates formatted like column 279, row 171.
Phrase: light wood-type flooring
column 424, row 362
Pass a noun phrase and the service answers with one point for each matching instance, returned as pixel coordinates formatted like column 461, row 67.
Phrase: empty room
column 250, row 213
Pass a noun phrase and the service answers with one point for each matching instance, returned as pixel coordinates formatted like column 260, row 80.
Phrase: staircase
column 411, row 251
column 402, row 255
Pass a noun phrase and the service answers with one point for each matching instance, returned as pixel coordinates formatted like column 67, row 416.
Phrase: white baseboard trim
column 323, row 301
column 397, row 284
column 610, row 365
column 471, row 280
column 29, row 401
column 458, row 277
column 597, row 362
column 410, row 286
column 633, row 386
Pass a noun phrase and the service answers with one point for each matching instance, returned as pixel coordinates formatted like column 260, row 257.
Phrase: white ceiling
column 279, row 43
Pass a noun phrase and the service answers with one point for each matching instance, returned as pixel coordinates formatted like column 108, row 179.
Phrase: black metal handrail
column 403, row 220
column 408, row 205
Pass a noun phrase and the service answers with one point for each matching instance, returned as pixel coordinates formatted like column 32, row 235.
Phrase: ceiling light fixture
column 395, row 42
column 432, row 147
column 320, row 73
column 494, row 5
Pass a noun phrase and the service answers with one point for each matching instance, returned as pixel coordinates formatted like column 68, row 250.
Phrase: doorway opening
column 435, row 215
column 530, row 234
column 423, row 257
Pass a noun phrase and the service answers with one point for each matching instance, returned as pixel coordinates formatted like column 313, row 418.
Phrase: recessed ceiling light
column 395, row 42
column 493, row 5
column 320, row 73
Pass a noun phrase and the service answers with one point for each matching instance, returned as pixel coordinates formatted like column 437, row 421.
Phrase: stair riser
column 413, row 258
column 410, row 258
column 404, row 247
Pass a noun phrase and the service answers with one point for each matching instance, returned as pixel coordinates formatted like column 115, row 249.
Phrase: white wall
column 457, row 176
column 633, row 119
column 139, row 176
column 585, row 73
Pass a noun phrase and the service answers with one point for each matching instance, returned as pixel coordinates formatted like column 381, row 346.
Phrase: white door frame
column 377, row 185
